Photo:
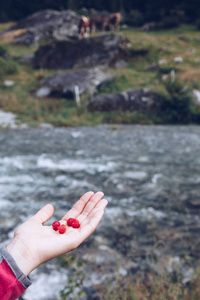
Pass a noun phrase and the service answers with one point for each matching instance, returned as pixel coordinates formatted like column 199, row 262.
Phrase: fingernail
column 100, row 192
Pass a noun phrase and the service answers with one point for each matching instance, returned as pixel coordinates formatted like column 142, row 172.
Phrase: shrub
column 198, row 23
column 176, row 108
column 169, row 22
column 7, row 67
column 166, row 69
column 74, row 286
column 135, row 18
column 3, row 51
column 153, row 287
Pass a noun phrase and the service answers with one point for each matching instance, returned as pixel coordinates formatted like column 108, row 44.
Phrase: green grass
column 183, row 41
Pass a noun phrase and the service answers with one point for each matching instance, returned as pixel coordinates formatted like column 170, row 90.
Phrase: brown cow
column 98, row 22
column 114, row 20
column 84, row 26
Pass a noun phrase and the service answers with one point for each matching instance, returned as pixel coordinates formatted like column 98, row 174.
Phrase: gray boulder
column 149, row 26
column 63, row 84
column 104, row 50
column 27, row 58
column 196, row 97
column 47, row 24
column 128, row 100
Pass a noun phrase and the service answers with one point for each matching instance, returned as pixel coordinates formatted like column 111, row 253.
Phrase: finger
column 44, row 214
column 90, row 224
column 97, row 212
column 78, row 207
column 90, row 206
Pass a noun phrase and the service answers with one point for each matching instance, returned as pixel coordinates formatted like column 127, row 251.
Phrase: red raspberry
column 62, row 229
column 76, row 224
column 70, row 221
column 73, row 222
column 55, row 225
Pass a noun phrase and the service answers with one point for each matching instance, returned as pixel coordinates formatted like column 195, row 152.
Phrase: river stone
column 43, row 92
column 27, row 58
column 48, row 24
column 139, row 175
column 128, row 100
column 149, row 26
column 8, row 83
column 104, row 50
column 63, row 84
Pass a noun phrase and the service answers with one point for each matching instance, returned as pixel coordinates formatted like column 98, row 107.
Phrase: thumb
column 44, row 214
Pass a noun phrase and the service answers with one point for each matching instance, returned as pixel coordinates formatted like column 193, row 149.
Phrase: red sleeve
column 13, row 282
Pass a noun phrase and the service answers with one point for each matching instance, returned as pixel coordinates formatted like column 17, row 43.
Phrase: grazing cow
column 98, row 22
column 114, row 20
column 84, row 26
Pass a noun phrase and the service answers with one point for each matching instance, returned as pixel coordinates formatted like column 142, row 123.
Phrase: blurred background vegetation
column 142, row 11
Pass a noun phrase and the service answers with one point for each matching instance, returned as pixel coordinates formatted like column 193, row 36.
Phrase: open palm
column 39, row 242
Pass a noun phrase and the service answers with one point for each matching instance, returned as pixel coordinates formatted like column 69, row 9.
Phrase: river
column 150, row 176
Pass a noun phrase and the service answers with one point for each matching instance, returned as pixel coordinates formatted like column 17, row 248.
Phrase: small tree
column 176, row 108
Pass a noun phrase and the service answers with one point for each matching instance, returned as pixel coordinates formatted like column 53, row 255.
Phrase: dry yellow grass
column 189, row 74
column 10, row 36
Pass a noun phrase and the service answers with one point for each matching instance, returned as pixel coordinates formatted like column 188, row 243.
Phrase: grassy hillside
column 161, row 46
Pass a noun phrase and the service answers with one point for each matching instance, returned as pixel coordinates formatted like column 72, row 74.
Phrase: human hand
column 35, row 243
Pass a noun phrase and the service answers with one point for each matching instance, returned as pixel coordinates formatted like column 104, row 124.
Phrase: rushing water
column 149, row 174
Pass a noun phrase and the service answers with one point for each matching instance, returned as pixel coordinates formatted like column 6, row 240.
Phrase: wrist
column 21, row 256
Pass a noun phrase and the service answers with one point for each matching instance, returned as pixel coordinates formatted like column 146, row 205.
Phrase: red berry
column 62, row 229
column 73, row 222
column 55, row 225
column 70, row 221
column 76, row 224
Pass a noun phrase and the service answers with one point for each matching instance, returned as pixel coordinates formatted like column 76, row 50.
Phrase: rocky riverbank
column 149, row 174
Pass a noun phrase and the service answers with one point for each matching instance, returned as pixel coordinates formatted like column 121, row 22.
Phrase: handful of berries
column 62, row 228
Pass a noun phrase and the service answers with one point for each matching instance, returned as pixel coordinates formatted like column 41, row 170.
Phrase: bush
column 8, row 67
column 3, row 51
column 153, row 287
column 176, row 108
column 169, row 22
column 135, row 18
column 166, row 69
column 198, row 23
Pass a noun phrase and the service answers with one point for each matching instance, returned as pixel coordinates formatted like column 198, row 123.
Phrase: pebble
column 8, row 83
column 178, row 59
